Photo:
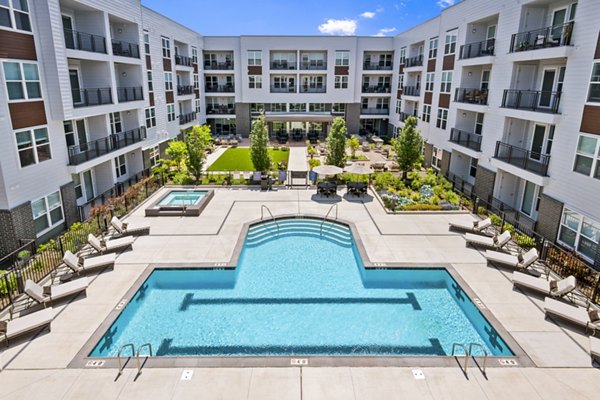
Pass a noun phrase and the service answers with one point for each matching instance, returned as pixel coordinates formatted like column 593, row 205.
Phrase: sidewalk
column 297, row 161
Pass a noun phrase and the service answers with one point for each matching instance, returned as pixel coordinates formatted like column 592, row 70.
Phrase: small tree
column 354, row 144
column 177, row 152
column 408, row 147
column 197, row 140
column 336, row 143
column 259, row 143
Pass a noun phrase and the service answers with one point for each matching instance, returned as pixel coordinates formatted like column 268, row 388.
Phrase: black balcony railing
column 183, row 90
column 91, row 97
column 219, row 88
column 380, row 66
column 312, row 89
column 183, row 60
column 125, row 49
column 522, row 158
column 96, row 148
column 478, row 49
column 466, row 139
column 414, row 62
column 283, row 65
column 531, row 100
column 375, row 111
column 186, row 118
column 218, row 65
column 376, row 89
column 220, row 109
column 411, row 91
column 551, row 36
column 472, row 96
column 84, row 41
column 313, row 65
column 125, row 94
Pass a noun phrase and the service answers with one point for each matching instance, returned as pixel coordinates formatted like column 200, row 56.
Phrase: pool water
column 297, row 292
column 182, row 198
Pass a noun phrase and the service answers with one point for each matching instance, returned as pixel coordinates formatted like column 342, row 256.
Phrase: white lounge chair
column 110, row 246
column 587, row 318
column 497, row 242
column 25, row 324
column 595, row 348
column 40, row 295
column 521, row 261
column 81, row 265
column 477, row 226
column 552, row 288
column 124, row 229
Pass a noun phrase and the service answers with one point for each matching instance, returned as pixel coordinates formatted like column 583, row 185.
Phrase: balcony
column 375, row 111
column 214, row 65
column 522, row 158
column 184, row 90
column 91, row 97
column 84, row 41
column 414, row 62
column 125, row 94
column 471, row 96
column 551, row 36
column 96, row 148
column 220, row 109
column 478, row 49
column 376, row 89
column 411, row 91
column 466, row 139
column 313, row 65
column 380, row 66
column 219, row 89
column 283, row 65
column 125, row 49
column 532, row 100
column 183, row 60
column 312, row 89
column 283, row 89
column 187, row 118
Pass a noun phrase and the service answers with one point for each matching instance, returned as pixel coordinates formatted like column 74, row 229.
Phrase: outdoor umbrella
column 326, row 170
column 359, row 169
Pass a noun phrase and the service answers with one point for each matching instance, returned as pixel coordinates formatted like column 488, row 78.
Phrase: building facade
column 507, row 95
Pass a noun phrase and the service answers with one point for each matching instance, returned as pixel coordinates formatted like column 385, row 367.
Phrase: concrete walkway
column 212, row 157
column 297, row 161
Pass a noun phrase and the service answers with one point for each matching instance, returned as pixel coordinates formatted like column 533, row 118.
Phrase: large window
column 194, row 55
column 254, row 57
column 579, row 233
column 342, row 58
column 587, row 156
column 166, row 47
column 316, row 107
column 168, row 81
column 120, row 166
column 33, row 146
column 398, row 106
column 436, row 158
column 450, row 45
column 170, row 112
column 150, row 83
column 594, row 95
column 197, row 105
column 150, row 117
column 255, row 82
column 116, row 126
column 154, row 156
column 15, row 14
column 22, row 80
column 433, row 47
column 473, row 167
column 446, row 82
column 47, row 212
column 146, row 42
column 429, row 78
column 196, row 82
column 402, row 55
column 426, row 112
column 442, row 118
column 341, row 81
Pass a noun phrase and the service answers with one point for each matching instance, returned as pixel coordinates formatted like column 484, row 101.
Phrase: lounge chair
column 81, row 265
column 124, row 229
column 25, row 324
column 41, row 296
column 520, row 262
column 595, row 348
column 476, row 226
column 497, row 242
column 552, row 288
column 587, row 318
column 110, row 246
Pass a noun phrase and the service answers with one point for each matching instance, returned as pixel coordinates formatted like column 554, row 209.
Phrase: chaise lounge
column 587, row 318
column 552, row 288
column 519, row 262
column 25, row 324
column 595, row 348
column 497, row 242
column 81, row 265
column 47, row 295
column 124, row 229
column 477, row 226
column 110, row 246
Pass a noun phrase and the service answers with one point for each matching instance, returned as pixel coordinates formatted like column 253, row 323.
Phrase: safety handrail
column 125, row 346
column 454, row 345
column 137, row 355
column 485, row 354
column 326, row 215
column 262, row 208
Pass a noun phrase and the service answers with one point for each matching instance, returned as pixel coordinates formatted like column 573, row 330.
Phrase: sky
column 299, row 17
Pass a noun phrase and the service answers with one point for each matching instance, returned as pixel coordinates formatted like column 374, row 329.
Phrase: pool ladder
column 327, row 214
column 469, row 354
column 262, row 215
column 135, row 354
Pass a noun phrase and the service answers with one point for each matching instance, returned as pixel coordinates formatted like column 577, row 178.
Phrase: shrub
column 421, row 207
column 314, row 162
column 311, row 151
column 525, row 241
column 386, row 180
column 496, row 220
column 481, row 210
column 426, row 193
column 182, row 178
column 452, row 198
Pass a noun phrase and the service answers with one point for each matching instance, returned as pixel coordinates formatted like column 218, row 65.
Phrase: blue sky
column 299, row 17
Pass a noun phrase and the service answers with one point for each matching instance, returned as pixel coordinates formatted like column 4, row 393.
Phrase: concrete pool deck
column 563, row 367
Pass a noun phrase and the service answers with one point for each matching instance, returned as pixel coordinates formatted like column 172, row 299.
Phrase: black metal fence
column 522, row 158
column 466, row 139
column 478, row 49
column 87, row 151
column 531, row 100
column 125, row 94
column 125, row 49
column 551, row 36
column 91, row 97
column 84, row 41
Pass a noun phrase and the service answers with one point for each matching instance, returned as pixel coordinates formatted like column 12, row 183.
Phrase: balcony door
column 537, row 142
column 559, row 18
column 529, row 201
column 75, row 86
column 69, row 31
column 548, row 79
column 76, row 134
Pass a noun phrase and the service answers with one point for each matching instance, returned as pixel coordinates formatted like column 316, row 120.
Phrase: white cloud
column 368, row 14
column 446, row 3
column 383, row 31
column 344, row 27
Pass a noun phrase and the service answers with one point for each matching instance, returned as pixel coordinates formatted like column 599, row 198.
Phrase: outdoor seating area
column 357, row 188
column 327, row 189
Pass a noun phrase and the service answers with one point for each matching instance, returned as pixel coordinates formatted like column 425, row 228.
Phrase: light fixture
column 470, row 73
column 119, row 31
column 124, row 74
column 464, row 115
column 473, row 30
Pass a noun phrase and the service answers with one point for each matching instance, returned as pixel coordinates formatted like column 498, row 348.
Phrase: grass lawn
column 238, row 159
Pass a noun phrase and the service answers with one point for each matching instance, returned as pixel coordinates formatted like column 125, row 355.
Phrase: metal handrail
column 137, row 355
column 125, row 346
column 262, row 208
column 326, row 215
column 454, row 345
column 485, row 354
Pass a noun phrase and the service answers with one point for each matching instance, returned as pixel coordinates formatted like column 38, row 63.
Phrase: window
column 146, row 42
column 436, row 158
column 197, row 105
column 402, row 55
column 316, row 107
column 254, row 57
column 196, row 82
column 398, row 106
column 485, row 80
column 382, row 104
column 150, row 117
column 278, row 107
column 473, row 167
column 342, row 58
column 429, row 78
column 33, row 146
column 442, row 118
column 120, row 166
column 400, row 82
column 150, row 83
column 166, row 47
column 22, row 81
column 479, row 123
column 446, row 82
column 47, row 212
column 168, row 81
column 579, row 233
column 15, row 14
column 115, row 123
column 154, row 156
column 433, row 47
column 194, row 55
column 594, row 95
column 84, row 185
column 255, row 82
column 339, row 107
column 426, row 112
column 170, row 112
column 341, row 81
column 297, row 107
column 587, row 156
column 450, row 46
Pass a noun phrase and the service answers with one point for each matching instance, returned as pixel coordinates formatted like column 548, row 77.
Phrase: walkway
column 212, row 157
column 297, row 161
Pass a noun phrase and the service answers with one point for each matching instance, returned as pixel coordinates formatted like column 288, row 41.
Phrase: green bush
column 386, row 180
column 452, row 198
column 421, row 207
column 481, row 210
column 496, row 220
column 314, row 162
column 182, row 178
column 525, row 241
column 12, row 283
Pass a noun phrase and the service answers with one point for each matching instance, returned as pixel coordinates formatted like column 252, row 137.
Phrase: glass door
column 88, row 184
column 529, row 196
column 81, row 135
column 537, row 142
column 558, row 20
column 75, row 86
column 68, row 31
column 547, row 86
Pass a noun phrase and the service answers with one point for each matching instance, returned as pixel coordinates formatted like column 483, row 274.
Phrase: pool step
column 299, row 223
column 264, row 232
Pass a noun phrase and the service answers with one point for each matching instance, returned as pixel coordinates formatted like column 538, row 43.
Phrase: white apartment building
column 507, row 95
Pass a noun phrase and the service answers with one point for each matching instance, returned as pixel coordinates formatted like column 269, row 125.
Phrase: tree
column 408, row 147
column 197, row 140
column 259, row 142
column 354, row 144
column 177, row 152
column 336, row 143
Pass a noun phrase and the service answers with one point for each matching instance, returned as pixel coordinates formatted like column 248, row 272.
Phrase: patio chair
column 25, row 324
column 110, row 246
column 80, row 265
column 476, row 226
column 124, row 229
column 45, row 295
column 519, row 262
column 552, row 287
column 595, row 348
column 586, row 318
column 365, row 146
column 497, row 242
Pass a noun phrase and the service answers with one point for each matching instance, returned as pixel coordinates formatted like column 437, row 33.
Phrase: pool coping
column 154, row 210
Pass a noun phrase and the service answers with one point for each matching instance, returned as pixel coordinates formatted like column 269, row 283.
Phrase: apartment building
column 507, row 95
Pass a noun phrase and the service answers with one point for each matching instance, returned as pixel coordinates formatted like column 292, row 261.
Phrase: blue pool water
column 182, row 198
column 295, row 292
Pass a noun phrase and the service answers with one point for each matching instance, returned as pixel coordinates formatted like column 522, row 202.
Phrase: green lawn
column 238, row 159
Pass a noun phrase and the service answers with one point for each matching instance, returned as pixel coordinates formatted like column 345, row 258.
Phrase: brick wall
column 69, row 202
column 445, row 164
column 353, row 118
column 15, row 224
column 484, row 183
column 549, row 215
column 427, row 154
column 242, row 119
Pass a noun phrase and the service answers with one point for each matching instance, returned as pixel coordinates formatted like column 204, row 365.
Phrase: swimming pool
column 182, row 198
column 296, row 291
column 180, row 202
